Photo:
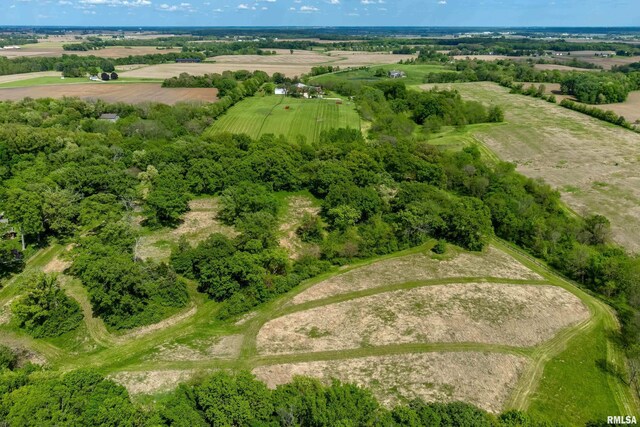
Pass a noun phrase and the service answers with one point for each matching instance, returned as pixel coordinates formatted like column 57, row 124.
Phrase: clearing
column 484, row 379
column 488, row 313
column 286, row 116
column 547, row 141
column 197, row 224
column 133, row 93
column 417, row 267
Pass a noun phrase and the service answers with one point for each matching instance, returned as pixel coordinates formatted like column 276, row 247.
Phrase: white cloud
column 442, row 2
column 333, row 1
column 125, row 3
column 182, row 7
column 308, row 9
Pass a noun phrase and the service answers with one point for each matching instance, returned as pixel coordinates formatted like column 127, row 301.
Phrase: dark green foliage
column 168, row 198
column 440, row 247
column 245, row 198
column 8, row 358
column 45, row 311
column 11, row 258
column 311, row 228
column 79, row 398
column 123, row 291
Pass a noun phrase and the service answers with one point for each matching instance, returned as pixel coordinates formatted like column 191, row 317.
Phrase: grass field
column 593, row 164
column 415, row 73
column 257, row 116
column 56, row 80
column 129, row 92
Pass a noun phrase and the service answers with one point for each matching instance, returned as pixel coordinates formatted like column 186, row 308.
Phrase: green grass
column 415, row 73
column 54, row 80
column 257, row 116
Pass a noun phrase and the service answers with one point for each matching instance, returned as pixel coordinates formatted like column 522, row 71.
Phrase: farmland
column 548, row 141
column 54, row 48
column 296, row 64
column 112, row 92
column 287, row 116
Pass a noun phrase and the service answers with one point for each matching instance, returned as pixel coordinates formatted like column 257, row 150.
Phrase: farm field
column 592, row 163
column 57, row 80
column 55, row 49
column 297, row 64
column 415, row 74
column 472, row 358
column 112, row 92
column 286, row 116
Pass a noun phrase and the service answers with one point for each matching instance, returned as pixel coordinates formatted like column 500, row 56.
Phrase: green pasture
column 415, row 73
column 291, row 117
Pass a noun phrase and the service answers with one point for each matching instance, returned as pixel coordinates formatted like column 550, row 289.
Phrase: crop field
column 483, row 327
column 286, row 116
column 296, row 64
column 57, row 80
column 592, row 163
column 133, row 93
column 55, row 49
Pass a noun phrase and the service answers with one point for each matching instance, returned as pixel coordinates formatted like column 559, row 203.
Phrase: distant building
column 280, row 91
column 110, row 117
column 188, row 60
column 396, row 74
column 94, row 78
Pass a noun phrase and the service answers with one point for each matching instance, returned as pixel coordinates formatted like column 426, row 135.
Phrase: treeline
column 96, row 43
column 68, row 63
column 587, row 87
column 31, row 396
column 225, row 82
column 607, row 116
column 16, row 40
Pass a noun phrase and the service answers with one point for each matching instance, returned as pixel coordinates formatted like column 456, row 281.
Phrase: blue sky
column 321, row 12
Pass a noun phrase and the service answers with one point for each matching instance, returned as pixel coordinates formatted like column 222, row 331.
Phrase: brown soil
column 416, row 267
column 49, row 50
column 111, row 92
column 483, row 379
column 487, row 313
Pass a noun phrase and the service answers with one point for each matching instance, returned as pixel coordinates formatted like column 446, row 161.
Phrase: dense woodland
column 69, row 177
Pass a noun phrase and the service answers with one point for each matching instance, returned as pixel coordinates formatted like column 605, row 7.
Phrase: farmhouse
column 111, row 117
column 280, row 91
column 396, row 74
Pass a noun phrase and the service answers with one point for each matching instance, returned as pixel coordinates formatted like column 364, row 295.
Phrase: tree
column 46, row 311
column 169, row 197
column 25, row 209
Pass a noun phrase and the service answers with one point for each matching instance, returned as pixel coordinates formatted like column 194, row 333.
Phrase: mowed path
column 593, row 164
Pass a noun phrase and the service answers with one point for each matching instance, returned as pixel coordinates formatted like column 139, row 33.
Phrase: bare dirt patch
column 297, row 207
column 487, row 313
column 417, row 267
column 56, row 265
column 484, row 379
column 225, row 347
column 111, row 92
column 148, row 382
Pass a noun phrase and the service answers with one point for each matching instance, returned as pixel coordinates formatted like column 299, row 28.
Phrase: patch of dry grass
column 224, row 347
column 484, row 379
column 297, row 207
column 416, row 267
column 487, row 313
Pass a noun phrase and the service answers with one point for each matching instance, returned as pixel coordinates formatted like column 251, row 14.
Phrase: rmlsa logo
column 620, row 419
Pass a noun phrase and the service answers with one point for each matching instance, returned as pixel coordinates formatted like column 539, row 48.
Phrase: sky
column 509, row 13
